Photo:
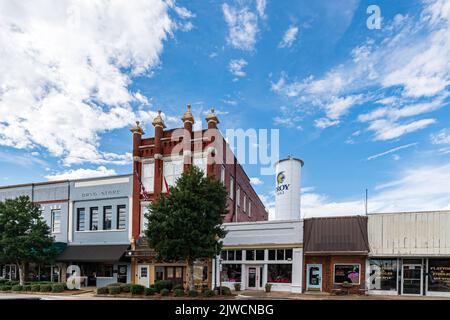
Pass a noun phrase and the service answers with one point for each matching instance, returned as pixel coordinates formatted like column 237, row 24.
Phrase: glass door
column 412, row 279
column 254, row 276
column 144, row 277
column 314, row 276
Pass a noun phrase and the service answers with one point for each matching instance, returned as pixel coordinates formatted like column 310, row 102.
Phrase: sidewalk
column 244, row 295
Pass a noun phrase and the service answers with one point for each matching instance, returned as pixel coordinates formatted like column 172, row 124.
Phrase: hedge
column 17, row 287
column 137, row 289
column 208, row 293
column 192, row 293
column 178, row 286
column 36, row 287
column 5, row 288
column 163, row 284
column 164, row 292
column 114, row 290
column 150, row 291
column 103, row 290
column 27, row 287
column 57, row 287
column 126, row 287
column 225, row 291
column 46, row 288
column 178, row 293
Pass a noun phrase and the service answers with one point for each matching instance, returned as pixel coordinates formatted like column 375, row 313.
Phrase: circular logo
column 280, row 178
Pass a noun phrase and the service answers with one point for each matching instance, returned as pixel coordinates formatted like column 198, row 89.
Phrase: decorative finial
column 158, row 121
column 137, row 129
column 212, row 116
column 188, row 115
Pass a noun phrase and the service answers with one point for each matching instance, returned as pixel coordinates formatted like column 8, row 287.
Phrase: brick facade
column 328, row 262
column 184, row 142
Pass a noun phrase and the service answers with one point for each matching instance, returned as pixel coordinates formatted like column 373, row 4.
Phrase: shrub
column 114, row 290
column 179, row 287
column 11, row 283
column 237, row 286
column 36, row 287
column 27, row 287
column 225, row 291
column 164, row 292
column 178, row 293
column 163, row 284
column 137, row 289
column 103, row 290
column 3, row 281
column 125, row 287
column 116, row 284
column 192, row 293
column 208, row 293
column 57, row 287
column 45, row 288
column 6, row 288
column 150, row 291
column 17, row 287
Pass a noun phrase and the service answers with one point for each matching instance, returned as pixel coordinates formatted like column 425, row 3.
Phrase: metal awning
column 93, row 253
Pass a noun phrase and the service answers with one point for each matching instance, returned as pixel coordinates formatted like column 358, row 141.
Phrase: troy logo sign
column 281, row 187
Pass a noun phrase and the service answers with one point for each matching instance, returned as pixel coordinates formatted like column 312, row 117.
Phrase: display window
column 349, row 273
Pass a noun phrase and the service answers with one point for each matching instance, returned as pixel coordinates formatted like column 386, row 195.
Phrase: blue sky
column 364, row 108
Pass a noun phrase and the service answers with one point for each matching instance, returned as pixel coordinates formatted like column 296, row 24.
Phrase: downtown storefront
column 410, row 254
column 335, row 253
column 258, row 253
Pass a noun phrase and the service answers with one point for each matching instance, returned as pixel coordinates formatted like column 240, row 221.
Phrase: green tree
column 187, row 224
column 24, row 235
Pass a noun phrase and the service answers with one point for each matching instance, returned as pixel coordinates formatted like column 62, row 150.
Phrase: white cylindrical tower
column 287, row 189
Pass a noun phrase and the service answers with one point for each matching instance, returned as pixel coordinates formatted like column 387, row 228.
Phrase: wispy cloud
column 289, row 37
column 235, row 67
column 256, row 181
column 441, row 137
column 393, row 150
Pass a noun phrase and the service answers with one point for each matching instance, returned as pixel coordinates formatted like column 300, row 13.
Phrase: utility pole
column 367, row 199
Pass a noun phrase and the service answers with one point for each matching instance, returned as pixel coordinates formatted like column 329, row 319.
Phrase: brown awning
column 94, row 253
column 336, row 235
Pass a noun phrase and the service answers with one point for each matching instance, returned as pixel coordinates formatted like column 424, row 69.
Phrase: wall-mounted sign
column 100, row 194
column 282, row 184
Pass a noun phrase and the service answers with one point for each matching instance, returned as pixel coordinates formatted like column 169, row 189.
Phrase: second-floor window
column 249, row 208
column 245, row 203
column 238, row 196
column 148, row 173
column 121, row 217
column 107, row 218
column 201, row 161
column 81, row 218
column 94, row 219
column 173, row 168
column 222, row 174
column 56, row 220
column 231, row 188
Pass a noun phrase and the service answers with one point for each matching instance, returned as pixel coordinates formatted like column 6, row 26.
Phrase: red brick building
column 335, row 253
column 160, row 160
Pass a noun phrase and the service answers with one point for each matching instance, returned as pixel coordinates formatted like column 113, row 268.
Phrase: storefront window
column 439, row 275
column 279, row 273
column 231, row 272
column 280, row 254
column 231, row 255
column 383, row 274
column 346, row 273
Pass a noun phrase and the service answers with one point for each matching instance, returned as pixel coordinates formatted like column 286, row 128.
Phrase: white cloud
column 81, row 174
column 412, row 58
column 261, row 8
column 256, row 181
column 442, row 137
column 387, row 130
column 289, row 37
column 416, row 189
column 323, row 123
column 62, row 78
column 393, row 150
column 235, row 67
column 242, row 26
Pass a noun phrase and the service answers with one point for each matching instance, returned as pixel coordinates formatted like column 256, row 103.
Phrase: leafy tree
column 24, row 235
column 186, row 225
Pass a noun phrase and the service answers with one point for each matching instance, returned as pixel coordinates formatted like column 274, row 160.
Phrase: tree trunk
column 191, row 274
column 21, row 267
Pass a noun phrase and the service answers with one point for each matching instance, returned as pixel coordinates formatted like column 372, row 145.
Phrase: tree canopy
column 187, row 224
column 24, row 235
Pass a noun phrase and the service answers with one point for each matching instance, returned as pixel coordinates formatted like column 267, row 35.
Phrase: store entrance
column 254, row 277
column 314, row 277
column 412, row 278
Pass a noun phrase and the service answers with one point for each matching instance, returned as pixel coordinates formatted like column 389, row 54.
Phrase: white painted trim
column 70, row 222
column 94, row 183
column 130, row 218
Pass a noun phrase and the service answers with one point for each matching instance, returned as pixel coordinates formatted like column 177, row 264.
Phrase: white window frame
column 144, row 222
column 238, row 196
column 231, row 188
column 249, row 208
column 222, row 174
column 245, row 203
column 148, row 176
column 172, row 170
column 200, row 160
column 52, row 213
